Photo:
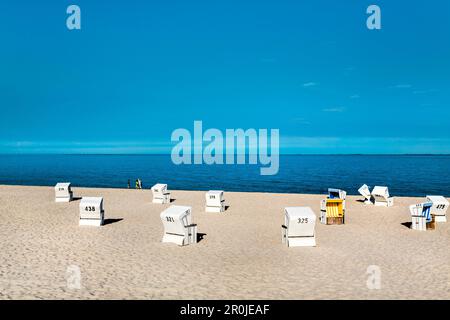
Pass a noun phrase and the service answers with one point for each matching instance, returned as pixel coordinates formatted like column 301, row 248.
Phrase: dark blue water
column 406, row 175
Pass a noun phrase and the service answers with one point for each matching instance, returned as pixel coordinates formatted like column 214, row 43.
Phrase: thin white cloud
column 88, row 147
column 336, row 109
column 310, row 84
column 354, row 96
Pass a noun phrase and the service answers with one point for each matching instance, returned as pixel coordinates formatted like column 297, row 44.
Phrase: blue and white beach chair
column 421, row 215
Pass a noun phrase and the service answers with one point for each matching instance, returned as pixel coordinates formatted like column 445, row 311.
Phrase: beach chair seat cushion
column 332, row 211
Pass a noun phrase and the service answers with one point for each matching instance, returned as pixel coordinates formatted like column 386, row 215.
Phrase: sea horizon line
column 281, row 154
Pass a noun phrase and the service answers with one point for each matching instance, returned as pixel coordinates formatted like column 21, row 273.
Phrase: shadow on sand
column 109, row 221
column 200, row 236
column 407, row 224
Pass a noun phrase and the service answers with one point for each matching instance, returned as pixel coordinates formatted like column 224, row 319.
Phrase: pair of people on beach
column 138, row 184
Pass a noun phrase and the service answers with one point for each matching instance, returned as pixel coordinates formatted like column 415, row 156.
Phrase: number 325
column 302, row 220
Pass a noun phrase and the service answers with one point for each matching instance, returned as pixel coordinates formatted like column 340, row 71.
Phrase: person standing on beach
column 129, row 184
column 137, row 184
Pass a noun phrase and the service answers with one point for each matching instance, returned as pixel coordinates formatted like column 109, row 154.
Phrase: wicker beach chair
column 215, row 201
column 178, row 226
column 299, row 227
column 91, row 211
column 160, row 193
column 439, row 208
column 365, row 192
column 63, row 192
column 381, row 196
column 332, row 211
column 421, row 217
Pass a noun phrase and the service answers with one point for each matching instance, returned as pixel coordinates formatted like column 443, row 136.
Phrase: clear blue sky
column 140, row 69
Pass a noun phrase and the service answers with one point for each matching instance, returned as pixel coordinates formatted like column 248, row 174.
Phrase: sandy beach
column 240, row 257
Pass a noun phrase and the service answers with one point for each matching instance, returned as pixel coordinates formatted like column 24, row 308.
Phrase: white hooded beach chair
column 365, row 192
column 420, row 215
column 439, row 208
column 63, row 192
column 215, row 201
column 160, row 193
column 381, row 196
column 178, row 226
column 91, row 211
column 299, row 227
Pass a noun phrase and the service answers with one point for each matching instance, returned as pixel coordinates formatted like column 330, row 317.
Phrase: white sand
column 240, row 257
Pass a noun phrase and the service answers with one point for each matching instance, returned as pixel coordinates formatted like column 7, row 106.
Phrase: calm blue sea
column 406, row 175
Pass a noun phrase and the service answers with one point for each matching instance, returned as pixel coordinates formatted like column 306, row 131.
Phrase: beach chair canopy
column 63, row 185
column 365, row 191
column 336, row 193
column 159, row 189
column 382, row 192
column 300, row 221
column 421, row 210
column 62, row 188
column 439, row 203
column 176, row 219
